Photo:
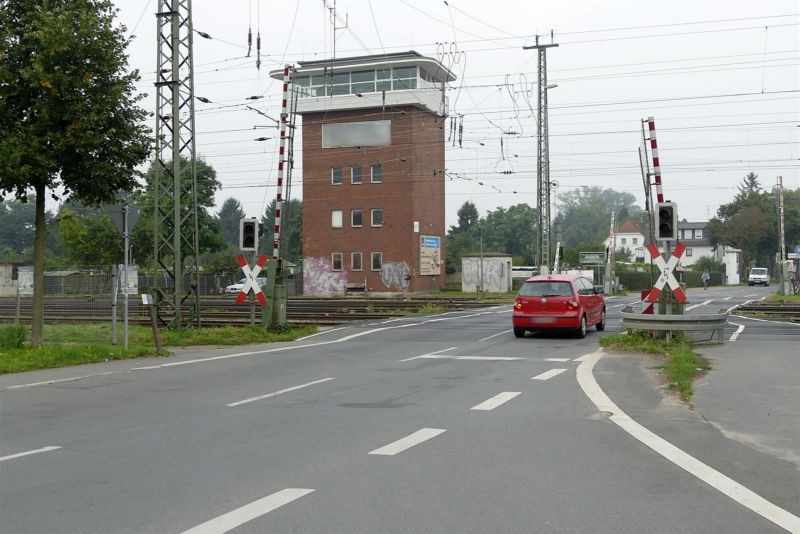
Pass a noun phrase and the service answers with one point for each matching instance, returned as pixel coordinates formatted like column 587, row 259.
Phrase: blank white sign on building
column 348, row 134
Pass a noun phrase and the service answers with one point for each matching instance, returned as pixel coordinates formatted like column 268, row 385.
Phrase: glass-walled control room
column 364, row 81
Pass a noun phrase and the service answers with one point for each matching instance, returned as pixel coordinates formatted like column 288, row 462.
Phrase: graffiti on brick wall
column 319, row 278
column 396, row 274
column 492, row 272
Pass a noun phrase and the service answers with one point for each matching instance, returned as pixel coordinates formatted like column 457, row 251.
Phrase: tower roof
column 439, row 72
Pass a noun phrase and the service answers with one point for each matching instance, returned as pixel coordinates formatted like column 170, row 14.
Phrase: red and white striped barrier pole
column 651, row 125
column 276, row 244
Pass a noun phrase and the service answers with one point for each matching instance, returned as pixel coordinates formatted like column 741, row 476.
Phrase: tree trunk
column 37, row 335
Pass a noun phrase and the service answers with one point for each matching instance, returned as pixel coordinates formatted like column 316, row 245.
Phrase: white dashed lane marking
column 248, row 512
column 497, row 400
column 547, row 375
column 276, row 393
column 421, row 435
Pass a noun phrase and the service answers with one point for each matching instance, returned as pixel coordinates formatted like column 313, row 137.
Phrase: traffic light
column 666, row 221
column 248, row 234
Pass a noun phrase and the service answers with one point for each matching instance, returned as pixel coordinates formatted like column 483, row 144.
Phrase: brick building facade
column 373, row 180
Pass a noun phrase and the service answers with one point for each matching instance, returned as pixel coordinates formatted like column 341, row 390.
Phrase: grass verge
column 784, row 298
column 682, row 363
column 66, row 345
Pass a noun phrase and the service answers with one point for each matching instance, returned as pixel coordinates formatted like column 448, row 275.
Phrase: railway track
column 221, row 311
column 789, row 311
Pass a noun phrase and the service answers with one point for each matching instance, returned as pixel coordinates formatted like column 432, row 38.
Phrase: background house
column 632, row 236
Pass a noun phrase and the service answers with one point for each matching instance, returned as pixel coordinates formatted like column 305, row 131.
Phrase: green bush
column 12, row 336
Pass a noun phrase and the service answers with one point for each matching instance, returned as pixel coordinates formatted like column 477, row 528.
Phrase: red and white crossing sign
column 251, row 275
column 666, row 276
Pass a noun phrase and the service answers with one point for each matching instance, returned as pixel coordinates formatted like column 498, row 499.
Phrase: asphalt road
column 433, row 424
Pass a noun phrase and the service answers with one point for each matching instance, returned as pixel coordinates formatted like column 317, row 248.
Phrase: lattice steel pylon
column 175, row 185
column 543, row 159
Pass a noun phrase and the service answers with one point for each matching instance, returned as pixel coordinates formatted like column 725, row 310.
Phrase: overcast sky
column 721, row 78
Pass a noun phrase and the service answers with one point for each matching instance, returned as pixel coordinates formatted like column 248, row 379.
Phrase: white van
column 758, row 276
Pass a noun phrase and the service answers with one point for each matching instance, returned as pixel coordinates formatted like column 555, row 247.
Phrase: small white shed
column 490, row 270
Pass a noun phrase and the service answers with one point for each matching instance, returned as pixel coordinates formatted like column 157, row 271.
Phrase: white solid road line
column 471, row 358
column 738, row 331
column 692, row 465
column 56, row 381
column 547, row 375
column 745, row 303
column 495, row 335
column 321, row 333
column 428, row 354
column 28, row 453
column 496, row 401
column 248, row 512
column 763, row 320
column 698, row 305
column 751, row 295
column 556, row 359
column 276, row 393
column 727, row 298
column 423, row 434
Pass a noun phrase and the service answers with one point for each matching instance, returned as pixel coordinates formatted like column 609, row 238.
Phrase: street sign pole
column 126, row 240
column 114, row 284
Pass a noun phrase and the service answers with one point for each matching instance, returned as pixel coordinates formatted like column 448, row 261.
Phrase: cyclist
column 706, row 278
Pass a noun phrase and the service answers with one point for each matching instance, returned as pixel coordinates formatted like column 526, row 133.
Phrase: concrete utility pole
column 784, row 276
column 275, row 312
column 608, row 279
column 175, row 186
column 543, row 157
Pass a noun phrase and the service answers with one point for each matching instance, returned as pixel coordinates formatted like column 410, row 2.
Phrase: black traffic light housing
column 248, row 235
column 666, row 221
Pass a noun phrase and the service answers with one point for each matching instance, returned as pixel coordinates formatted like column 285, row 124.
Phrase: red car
column 559, row 302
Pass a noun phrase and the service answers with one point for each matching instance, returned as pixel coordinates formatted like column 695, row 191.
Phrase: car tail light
column 517, row 305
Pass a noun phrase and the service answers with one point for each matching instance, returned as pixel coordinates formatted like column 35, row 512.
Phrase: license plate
column 544, row 320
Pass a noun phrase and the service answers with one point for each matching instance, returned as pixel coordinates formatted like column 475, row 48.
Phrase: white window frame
column 372, row 260
column 352, row 223
column 698, row 233
column 624, row 240
column 372, row 173
column 352, row 175
column 634, row 240
column 688, row 252
column 372, row 217
column 333, row 181
column 334, row 256
column 353, row 256
column 333, row 218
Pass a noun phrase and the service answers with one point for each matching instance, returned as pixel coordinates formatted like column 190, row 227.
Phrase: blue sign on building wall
column 430, row 241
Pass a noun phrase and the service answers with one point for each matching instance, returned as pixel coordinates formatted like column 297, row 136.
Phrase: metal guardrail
column 705, row 322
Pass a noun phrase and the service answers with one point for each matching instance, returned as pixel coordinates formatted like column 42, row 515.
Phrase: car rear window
column 546, row 289
column 758, row 271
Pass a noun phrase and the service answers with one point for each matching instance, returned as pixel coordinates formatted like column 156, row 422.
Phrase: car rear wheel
column 602, row 324
column 519, row 332
column 580, row 333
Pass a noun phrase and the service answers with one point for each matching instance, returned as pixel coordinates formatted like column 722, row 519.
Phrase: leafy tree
column 467, row 218
column 587, row 212
column 292, row 221
column 210, row 237
column 750, row 222
column 706, row 263
column 70, row 118
column 510, row 230
column 90, row 238
column 749, row 186
column 17, row 226
column 229, row 215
